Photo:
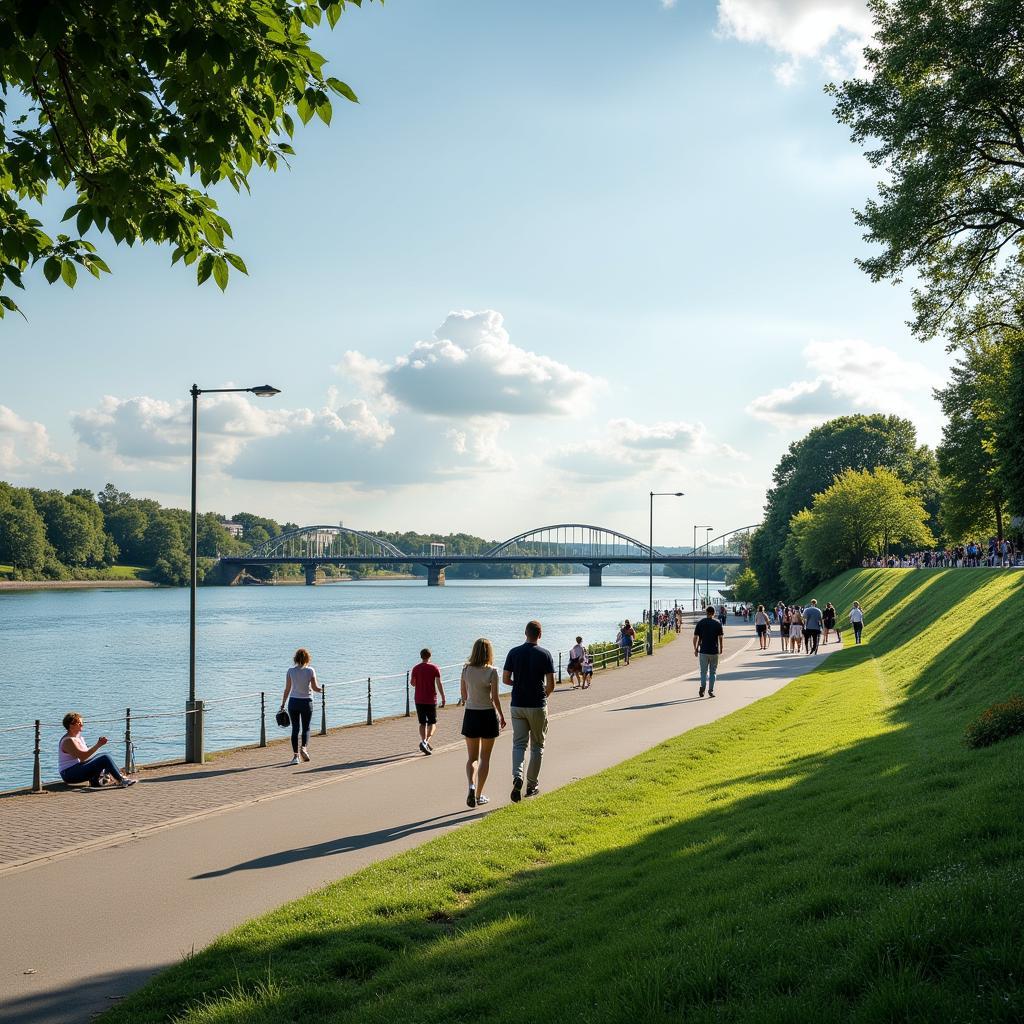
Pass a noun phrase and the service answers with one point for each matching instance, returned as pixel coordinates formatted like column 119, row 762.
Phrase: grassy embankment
column 832, row 853
column 113, row 572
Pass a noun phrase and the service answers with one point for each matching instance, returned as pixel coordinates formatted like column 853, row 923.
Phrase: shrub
column 996, row 723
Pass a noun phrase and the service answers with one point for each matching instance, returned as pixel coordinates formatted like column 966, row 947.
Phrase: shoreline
column 74, row 584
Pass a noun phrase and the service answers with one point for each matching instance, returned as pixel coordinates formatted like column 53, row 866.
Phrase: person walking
column 482, row 720
column 575, row 666
column 530, row 672
column 785, row 618
column 78, row 762
column 857, row 621
column 300, row 683
column 708, row 643
column 796, row 630
column 812, row 626
column 628, row 635
column 425, row 679
column 761, row 625
column 828, row 621
column 588, row 670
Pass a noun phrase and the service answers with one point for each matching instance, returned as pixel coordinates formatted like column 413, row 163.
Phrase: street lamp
column 693, row 566
column 192, row 754
column 707, row 563
column 650, row 578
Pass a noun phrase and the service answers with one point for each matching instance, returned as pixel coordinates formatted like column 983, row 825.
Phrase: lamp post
column 650, row 577
column 261, row 391
column 707, row 563
column 693, row 567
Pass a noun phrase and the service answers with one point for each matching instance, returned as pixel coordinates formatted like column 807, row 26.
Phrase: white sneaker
column 305, row 753
column 294, row 760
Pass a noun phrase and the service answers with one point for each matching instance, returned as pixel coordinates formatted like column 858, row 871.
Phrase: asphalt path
column 83, row 931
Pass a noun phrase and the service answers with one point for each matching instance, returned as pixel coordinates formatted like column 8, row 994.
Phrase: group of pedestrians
column 801, row 629
column 998, row 552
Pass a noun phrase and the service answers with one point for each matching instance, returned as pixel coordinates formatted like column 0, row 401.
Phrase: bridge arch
column 325, row 542
column 582, row 540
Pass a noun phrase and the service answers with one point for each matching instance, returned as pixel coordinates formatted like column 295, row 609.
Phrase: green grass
column 834, row 853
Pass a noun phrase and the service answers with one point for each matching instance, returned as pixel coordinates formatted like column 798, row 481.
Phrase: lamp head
column 265, row 391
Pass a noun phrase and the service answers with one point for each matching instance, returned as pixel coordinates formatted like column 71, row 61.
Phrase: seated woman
column 75, row 761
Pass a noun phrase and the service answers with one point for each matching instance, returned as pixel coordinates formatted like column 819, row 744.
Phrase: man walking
column 425, row 679
column 708, row 642
column 530, row 672
column 812, row 626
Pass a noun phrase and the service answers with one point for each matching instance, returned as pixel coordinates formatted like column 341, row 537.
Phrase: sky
column 557, row 257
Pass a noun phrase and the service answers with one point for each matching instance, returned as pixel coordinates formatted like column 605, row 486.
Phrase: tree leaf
column 51, row 269
column 336, row 85
column 236, row 261
column 220, row 272
column 205, row 268
column 69, row 273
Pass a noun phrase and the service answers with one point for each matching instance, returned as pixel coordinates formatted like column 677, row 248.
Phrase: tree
column 942, row 108
column 810, row 464
column 863, row 513
column 126, row 519
column 140, row 106
column 22, row 531
column 974, row 402
column 1011, row 466
column 74, row 527
column 746, row 587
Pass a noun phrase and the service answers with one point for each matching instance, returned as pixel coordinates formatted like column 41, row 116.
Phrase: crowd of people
column 998, row 553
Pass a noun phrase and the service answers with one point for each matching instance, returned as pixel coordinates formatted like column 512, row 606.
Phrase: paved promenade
column 151, row 873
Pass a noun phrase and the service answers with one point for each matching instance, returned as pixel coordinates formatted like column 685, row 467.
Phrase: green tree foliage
column 746, row 586
column 863, row 513
column 140, row 107
column 74, row 526
column 1012, row 453
column 22, row 531
column 941, row 110
column 810, row 464
column 975, row 402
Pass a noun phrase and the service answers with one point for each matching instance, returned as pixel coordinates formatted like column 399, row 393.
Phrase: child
column 426, row 682
column 588, row 670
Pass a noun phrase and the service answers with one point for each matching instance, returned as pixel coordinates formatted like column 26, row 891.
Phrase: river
column 100, row 651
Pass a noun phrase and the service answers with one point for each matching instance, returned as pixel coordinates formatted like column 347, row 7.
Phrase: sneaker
column 711, row 693
column 483, row 799
column 532, row 790
column 517, row 791
column 700, row 693
column 294, row 760
column 304, row 753
column 125, row 783
column 424, row 747
column 471, row 797
column 430, row 746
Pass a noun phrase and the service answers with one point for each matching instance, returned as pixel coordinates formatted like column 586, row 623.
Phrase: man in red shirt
column 426, row 682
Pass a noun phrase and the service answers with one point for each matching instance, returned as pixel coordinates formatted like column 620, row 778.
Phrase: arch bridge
column 594, row 547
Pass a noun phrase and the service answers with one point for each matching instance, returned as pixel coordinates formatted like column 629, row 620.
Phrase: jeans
column 89, row 771
column 300, row 709
column 857, row 627
column 528, row 725
column 708, row 666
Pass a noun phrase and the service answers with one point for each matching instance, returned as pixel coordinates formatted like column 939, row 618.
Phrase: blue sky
column 558, row 256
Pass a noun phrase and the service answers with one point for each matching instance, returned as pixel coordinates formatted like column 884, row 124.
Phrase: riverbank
column 77, row 584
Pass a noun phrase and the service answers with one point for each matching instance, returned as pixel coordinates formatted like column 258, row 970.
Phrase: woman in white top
column 857, row 620
column 300, row 683
column 575, row 666
column 78, row 762
column 480, row 723
column 796, row 630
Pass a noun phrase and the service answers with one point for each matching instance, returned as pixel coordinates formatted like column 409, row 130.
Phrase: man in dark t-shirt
column 708, row 641
column 530, row 672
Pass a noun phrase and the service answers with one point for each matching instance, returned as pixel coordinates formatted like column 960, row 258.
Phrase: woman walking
column 784, row 622
column 483, row 719
column 828, row 621
column 796, row 631
column 300, row 683
column 857, row 620
column 628, row 633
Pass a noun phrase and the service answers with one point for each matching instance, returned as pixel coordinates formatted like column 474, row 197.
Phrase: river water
column 100, row 651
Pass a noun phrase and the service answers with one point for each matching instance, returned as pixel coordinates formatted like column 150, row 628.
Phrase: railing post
column 37, row 779
column 559, row 666
column 369, row 701
column 617, row 649
column 323, row 710
column 407, row 709
column 263, row 718
column 127, row 741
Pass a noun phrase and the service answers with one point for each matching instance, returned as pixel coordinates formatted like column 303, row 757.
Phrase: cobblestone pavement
column 38, row 826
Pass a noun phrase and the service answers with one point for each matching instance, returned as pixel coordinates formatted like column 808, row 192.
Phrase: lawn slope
column 833, row 853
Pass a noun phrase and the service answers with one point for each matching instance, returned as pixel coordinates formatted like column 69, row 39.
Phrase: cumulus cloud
column 471, row 368
column 25, row 445
column 845, row 377
column 831, row 32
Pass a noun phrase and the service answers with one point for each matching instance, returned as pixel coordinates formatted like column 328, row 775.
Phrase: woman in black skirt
column 483, row 720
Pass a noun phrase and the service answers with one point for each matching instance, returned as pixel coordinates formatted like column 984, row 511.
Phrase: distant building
column 235, row 529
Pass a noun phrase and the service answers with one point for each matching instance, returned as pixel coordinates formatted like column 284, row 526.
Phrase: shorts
column 796, row 632
column 761, row 630
column 427, row 714
column 784, row 630
column 480, row 725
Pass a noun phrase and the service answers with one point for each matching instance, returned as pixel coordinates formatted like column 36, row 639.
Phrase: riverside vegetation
column 834, row 852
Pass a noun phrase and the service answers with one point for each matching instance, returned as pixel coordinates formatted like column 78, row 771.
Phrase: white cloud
column 25, row 445
column 471, row 368
column 845, row 377
column 668, row 436
column 832, row 32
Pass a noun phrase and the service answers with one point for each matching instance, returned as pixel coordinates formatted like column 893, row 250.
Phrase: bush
column 999, row 722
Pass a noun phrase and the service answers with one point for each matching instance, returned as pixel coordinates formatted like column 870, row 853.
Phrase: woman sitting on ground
column 77, row 762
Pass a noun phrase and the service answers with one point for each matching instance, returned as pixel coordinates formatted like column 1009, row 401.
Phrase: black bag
column 283, row 719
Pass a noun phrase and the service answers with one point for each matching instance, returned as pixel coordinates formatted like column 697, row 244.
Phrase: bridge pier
column 435, row 575
column 310, row 568
column 595, row 572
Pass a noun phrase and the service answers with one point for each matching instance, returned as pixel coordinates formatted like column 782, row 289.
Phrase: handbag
column 283, row 718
